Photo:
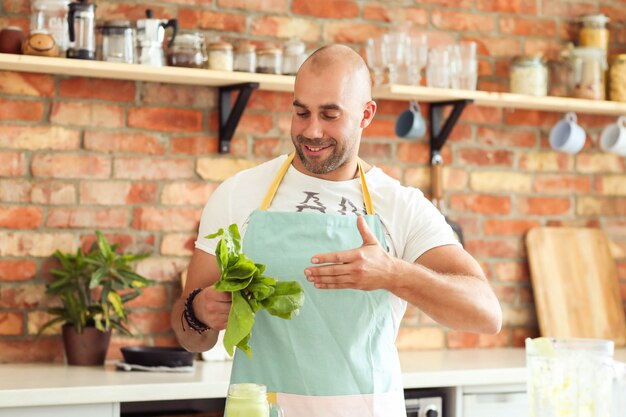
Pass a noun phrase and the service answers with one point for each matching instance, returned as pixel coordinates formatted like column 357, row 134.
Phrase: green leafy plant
column 94, row 287
column 251, row 290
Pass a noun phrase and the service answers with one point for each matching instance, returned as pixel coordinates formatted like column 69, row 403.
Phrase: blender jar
column 118, row 42
column 569, row 377
column 51, row 16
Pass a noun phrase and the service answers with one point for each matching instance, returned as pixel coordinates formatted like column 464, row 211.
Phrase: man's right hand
column 211, row 307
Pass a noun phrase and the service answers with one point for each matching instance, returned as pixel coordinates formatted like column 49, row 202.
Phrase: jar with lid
column 594, row 32
column 293, row 56
column 269, row 61
column 118, row 42
column 587, row 67
column 245, row 57
column 188, row 50
column 220, row 56
column 617, row 78
column 529, row 75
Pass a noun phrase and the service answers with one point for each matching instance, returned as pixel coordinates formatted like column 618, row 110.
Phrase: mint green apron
column 338, row 355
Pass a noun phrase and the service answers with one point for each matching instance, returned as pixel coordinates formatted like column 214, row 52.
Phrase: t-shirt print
column 312, row 202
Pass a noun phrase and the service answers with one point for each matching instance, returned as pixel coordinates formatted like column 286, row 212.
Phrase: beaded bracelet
column 189, row 315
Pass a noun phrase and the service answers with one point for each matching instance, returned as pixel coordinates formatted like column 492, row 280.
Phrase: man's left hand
column 368, row 267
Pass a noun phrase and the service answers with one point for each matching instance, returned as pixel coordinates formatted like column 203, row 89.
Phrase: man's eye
column 302, row 114
column 330, row 116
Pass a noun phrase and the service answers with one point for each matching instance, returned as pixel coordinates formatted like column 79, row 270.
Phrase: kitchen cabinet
column 80, row 410
column 245, row 82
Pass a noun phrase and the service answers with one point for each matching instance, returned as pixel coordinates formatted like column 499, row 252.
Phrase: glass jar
column 249, row 400
column 293, row 56
column 269, row 61
column 594, row 32
column 529, row 75
column 220, row 56
column 188, row 50
column 587, row 68
column 245, row 57
column 617, row 78
column 118, row 42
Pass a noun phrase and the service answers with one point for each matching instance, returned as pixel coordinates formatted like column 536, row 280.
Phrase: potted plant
column 93, row 288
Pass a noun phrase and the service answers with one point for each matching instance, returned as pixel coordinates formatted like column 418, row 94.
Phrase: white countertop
column 56, row 384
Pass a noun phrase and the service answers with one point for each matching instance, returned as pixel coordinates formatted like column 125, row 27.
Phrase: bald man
column 360, row 244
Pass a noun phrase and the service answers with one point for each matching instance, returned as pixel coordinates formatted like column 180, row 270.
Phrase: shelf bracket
column 229, row 117
column 438, row 133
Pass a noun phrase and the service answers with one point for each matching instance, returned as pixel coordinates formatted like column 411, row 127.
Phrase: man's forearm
column 189, row 338
column 461, row 302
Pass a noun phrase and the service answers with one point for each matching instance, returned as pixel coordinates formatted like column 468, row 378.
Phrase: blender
column 82, row 31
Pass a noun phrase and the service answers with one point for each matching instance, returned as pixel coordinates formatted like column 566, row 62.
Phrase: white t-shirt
column 412, row 224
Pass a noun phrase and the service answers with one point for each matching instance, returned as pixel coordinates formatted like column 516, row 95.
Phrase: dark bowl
column 157, row 356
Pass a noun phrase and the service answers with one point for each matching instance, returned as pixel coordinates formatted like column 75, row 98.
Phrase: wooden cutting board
column 575, row 284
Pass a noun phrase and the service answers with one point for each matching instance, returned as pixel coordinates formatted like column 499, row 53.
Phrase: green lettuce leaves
column 251, row 290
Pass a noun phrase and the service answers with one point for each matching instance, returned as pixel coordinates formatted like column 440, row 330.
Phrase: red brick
column 481, row 203
column 521, row 334
column 493, row 86
column 419, row 152
column 616, row 13
column 52, row 192
column 194, row 145
column 132, row 11
column 178, row 244
column 599, row 163
column 255, row 123
column 307, row 30
column 512, row 271
column 149, row 322
column 162, row 269
column 534, row 118
column 460, row 340
column 496, row 46
column 562, row 184
column 26, row 83
column 509, row 227
column 463, row 4
column 13, row 217
column 341, row 32
column 96, row 88
column 153, row 297
column 268, row 147
column 273, row 6
column 21, row 110
column 204, row 19
column 11, row 324
column 165, row 119
column 462, row 21
column 543, row 206
column 117, row 192
column 500, row 248
column 333, row 9
column 70, row 166
column 187, row 193
column 16, row 6
column 373, row 150
column 17, row 270
column 551, row 49
column 87, row 218
column 39, row 137
column 485, row 157
column 506, row 294
column 573, row 223
column 601, row 206
column 153, row 169
column 376, row 12
column 21, row 22
column 481, row 114
column 594, row 120
column 506, row 137
column 571, row 9
column 12, row 164
column 86, row 114
column 393, row 108
column 527, row 26
column 462, row 132
column 271, row 101
column 508, row 6
column 110, row 142
column 15, row 191
column 125, row 243
column 381, row 128
column 22, row 296
column 150, row 218
column 179, row 95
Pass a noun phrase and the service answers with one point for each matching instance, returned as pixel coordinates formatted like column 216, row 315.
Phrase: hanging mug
column 410, row 123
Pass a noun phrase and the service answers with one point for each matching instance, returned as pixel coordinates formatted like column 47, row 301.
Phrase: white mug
column 410, row 123
column 566, row 136
column 613, row 137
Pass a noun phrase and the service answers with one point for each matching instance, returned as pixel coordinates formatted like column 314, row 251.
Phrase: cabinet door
column 78, row 410
column 496, row 404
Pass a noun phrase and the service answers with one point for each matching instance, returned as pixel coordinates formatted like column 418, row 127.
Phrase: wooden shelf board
column 211, row 78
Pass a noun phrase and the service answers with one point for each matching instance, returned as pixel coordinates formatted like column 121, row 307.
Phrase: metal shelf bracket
column 438, row 133
column 229, row 117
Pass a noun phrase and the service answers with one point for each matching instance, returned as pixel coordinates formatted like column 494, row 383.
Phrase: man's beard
column 336, row 159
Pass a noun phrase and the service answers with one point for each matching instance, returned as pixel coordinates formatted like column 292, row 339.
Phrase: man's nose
column 313, row 128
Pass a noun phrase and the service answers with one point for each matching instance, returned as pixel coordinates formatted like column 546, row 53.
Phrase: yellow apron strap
column 271, row 191
column 269, row 196
column 367, row 198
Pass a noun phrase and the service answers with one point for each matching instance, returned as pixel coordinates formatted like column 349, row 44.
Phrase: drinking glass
column 375, row 53
column 417, row 55
column 438, row 67
column 463, row 66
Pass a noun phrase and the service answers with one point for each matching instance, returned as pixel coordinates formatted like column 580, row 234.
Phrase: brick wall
column 138, row 160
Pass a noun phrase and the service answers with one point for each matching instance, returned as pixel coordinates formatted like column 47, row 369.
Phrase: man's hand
column 368, row 267
column 211, row 307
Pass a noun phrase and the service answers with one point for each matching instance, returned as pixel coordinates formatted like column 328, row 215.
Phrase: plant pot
column 86, row 349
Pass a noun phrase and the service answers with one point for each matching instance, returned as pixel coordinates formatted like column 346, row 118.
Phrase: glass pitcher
column 249, row 400
column 574, row 378
column 51, row 16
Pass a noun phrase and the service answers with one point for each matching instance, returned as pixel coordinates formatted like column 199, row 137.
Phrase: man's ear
column 368, row 114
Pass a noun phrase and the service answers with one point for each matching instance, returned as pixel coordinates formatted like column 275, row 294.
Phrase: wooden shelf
column 211, row 78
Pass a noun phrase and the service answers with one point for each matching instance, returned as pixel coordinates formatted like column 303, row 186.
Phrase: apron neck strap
column 271, row 191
